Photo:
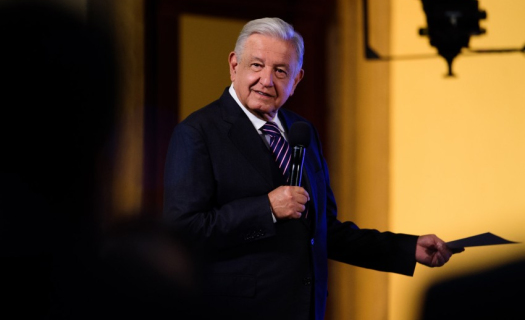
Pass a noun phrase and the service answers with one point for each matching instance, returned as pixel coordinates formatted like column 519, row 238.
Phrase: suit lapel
column 247, row 140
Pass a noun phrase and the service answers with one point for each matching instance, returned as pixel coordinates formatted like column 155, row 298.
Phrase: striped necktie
column 279, row 147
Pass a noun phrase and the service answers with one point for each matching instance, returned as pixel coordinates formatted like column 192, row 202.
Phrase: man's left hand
column 431, row 251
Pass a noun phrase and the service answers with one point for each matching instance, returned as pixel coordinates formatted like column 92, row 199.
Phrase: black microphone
column 299, row 140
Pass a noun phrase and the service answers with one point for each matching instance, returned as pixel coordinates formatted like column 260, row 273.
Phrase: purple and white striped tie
column 279, row 147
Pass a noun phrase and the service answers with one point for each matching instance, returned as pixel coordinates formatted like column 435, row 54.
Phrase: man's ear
column 298, row 77
column 232, row 60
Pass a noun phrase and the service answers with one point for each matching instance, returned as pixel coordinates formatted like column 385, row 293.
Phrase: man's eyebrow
column 286, row 65
column 277, row 65
column 255, row 58
column 261, row 59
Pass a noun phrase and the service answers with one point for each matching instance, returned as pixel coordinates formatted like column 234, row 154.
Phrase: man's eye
column 256, row 65
column 281, row 73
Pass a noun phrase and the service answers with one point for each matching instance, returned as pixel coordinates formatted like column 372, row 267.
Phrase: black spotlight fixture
column 450, row 24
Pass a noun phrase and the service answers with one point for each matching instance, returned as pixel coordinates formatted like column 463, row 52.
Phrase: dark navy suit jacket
column 217, row 178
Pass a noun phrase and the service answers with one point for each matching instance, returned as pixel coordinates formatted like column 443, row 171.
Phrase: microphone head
column 300, row 134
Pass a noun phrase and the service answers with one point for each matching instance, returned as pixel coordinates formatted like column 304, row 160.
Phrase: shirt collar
column 257, row 123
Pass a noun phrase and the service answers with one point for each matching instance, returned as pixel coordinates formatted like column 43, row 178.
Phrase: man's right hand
column 288, row 202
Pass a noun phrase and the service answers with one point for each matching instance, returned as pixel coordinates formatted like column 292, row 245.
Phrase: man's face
column 265, row 76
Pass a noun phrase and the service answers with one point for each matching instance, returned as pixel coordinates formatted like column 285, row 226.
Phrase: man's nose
column 266, row 77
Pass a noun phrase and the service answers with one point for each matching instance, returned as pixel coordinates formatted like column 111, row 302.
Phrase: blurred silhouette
column 497, row 293
column 57, row 82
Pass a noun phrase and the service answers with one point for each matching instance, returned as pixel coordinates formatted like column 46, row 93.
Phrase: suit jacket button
column 307, row 281
column 312, row 241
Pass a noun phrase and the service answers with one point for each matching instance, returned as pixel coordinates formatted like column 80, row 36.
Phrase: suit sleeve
column 190, row 197
column 367, row 248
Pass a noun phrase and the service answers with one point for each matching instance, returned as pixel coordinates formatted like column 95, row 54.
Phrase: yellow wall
column 449, row 155
column 358, row 163
column 205, row 44
column 457, row 164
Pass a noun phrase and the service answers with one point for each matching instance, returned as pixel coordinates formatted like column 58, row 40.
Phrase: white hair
column 273, row 27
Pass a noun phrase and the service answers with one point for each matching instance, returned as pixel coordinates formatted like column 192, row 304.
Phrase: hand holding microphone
column 288, row 202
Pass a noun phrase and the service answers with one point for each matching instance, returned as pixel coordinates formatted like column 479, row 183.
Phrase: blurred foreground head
column 57, row 92
column 57, row 85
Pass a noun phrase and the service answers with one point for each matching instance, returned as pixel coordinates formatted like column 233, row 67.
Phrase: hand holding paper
column 431, row 251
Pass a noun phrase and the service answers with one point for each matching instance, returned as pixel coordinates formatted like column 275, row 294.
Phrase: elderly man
column 266, row 242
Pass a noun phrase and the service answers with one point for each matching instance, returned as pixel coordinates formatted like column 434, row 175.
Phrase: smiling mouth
column 263, row 94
